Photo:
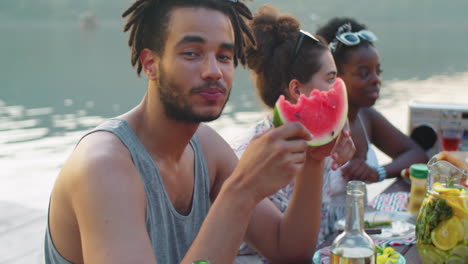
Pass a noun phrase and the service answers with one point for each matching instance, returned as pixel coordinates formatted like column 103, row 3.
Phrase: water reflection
column 35, row 142
column 395, row 95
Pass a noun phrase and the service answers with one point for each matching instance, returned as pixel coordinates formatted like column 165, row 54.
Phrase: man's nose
column 211, row 70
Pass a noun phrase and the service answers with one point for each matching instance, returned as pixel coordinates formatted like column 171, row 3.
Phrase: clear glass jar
column 442, row 223
column 354, row 246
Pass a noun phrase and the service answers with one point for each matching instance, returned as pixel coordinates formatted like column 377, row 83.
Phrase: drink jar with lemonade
column 442, row 222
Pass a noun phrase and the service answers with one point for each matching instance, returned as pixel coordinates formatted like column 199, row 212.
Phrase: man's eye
column 225, row 58
column 190, row 54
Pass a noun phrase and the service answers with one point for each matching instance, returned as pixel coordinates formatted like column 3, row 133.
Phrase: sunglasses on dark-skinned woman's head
column 302, row 34
column 354, row 38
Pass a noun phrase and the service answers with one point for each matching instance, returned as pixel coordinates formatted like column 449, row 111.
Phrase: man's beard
column 176, row 103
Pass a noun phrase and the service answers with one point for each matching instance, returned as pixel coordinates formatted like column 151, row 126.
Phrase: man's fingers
column 297, row 158
column 294, row 130
column 293, row 151
column 296, row 145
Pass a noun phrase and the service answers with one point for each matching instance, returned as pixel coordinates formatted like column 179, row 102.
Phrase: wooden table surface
column 410, row 252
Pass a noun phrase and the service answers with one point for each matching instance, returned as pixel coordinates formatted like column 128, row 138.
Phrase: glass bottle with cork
column 418, row 176
column 354, row 245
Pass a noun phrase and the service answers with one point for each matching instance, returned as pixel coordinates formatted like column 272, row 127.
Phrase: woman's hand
column 341, row 149
column 357, row 169
column 453, row 159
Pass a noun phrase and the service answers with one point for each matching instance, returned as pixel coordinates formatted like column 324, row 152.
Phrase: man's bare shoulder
column 219, row 156
column 101, row 149
column 100, row 159
column 97, row 192
column 213, row 144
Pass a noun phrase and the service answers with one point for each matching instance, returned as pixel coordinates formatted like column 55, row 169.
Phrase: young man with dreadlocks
column 155, row 185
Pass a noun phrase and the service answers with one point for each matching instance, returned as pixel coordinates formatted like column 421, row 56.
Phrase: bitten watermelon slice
column 323, row 113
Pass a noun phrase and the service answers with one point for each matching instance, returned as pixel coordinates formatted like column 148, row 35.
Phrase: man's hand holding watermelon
column 282, row 154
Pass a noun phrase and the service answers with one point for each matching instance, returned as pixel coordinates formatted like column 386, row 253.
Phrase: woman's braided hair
column 148, row 20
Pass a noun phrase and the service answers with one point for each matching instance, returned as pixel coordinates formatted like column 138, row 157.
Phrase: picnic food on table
column 386, row 255
column 323, row 113
column 377, row 220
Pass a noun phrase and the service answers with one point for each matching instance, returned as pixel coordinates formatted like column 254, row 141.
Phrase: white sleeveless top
column 334, row 188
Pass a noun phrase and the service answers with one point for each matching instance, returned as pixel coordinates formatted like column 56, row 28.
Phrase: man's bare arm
column 109, row 203
column 292, row 237
column 268, row 164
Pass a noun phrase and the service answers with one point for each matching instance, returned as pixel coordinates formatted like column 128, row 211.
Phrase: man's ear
column 294, row 89
column 149, row 63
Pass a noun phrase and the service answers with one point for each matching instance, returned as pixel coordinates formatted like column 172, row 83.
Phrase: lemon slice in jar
column 455, row 260
column 438, row 187
column 465, row 228
column 455, row 198
column 446, row 235
column 430, row 257
column 460, row 250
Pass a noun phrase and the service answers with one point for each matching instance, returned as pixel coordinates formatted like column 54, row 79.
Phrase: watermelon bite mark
column 323, row 113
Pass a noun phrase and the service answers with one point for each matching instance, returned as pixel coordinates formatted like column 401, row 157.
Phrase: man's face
column 196, row 70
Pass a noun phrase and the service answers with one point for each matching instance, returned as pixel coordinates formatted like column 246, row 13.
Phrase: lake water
column 58, row 81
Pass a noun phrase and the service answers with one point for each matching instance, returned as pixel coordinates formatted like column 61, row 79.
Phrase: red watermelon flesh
column 323, row 113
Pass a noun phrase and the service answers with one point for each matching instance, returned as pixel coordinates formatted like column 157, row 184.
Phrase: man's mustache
column 208, row 85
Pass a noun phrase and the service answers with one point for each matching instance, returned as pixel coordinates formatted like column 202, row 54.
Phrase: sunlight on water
column 35, row 142
column 395, row 95
column 31, row 156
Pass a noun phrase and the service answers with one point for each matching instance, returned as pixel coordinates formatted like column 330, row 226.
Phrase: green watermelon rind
column 279, row 120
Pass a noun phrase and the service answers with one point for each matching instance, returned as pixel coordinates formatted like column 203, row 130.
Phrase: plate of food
column 385, row 255
column 393, row 225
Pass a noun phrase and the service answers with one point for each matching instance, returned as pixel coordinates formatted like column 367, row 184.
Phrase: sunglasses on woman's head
column 354, row 38
column 300, row 39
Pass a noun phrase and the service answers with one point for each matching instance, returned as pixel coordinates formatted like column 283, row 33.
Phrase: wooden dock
column 21, row 234
column 22, row 228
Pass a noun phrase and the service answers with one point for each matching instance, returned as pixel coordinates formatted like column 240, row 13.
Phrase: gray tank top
column 171, row 233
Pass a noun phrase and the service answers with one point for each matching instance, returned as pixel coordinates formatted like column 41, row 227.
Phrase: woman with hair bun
column 358, row 64
column 290, row 61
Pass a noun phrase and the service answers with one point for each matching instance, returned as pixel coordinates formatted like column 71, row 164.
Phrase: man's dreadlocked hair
column 148, row 21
